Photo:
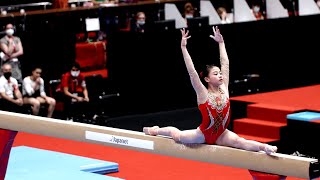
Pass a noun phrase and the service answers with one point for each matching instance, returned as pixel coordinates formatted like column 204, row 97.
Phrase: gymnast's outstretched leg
column 6, row 140
column 231, row 139
column 185, row 137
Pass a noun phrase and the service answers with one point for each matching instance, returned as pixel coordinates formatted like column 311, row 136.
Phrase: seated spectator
column 34, row 93
column 12, row 49
column 257, row 12
column 10, row 95
column 222, row 12
column 75, row 92
column 138, row 25
column 189, row 11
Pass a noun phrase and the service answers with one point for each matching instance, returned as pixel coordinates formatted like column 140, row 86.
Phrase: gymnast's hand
column 79, row 99
column 217, row 35
column 185, row 36
column 86, row 99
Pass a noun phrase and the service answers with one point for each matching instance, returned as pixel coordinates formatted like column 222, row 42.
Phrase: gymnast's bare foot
column 269, row 149
column 151, row 130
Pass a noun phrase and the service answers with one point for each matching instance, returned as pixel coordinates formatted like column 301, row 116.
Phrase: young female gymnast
column 213, row 103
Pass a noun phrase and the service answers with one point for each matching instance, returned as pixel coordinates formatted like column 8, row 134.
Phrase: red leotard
column 215, row 117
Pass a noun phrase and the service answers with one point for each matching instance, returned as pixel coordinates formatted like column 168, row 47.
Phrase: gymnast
column 213, row 103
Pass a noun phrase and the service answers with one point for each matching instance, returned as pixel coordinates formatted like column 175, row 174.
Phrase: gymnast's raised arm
column 200, row 89
column 224, row 60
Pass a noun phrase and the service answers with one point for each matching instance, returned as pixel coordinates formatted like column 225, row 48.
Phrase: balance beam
column 280, row 164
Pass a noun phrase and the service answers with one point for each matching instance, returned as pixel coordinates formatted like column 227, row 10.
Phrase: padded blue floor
column 37, row 164
column 304, row 116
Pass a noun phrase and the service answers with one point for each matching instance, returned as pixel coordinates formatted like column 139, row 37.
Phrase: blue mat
column 304, row 116
column 28, row 163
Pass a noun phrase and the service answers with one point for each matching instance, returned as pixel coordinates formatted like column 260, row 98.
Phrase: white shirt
column 8, row 86
column 226, row 21
column 29, row 86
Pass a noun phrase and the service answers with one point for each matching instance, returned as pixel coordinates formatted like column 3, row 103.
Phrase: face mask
column 9, row 32
column 189, row 16
column 75, row 73
column 141, row 22
column 7, row 75
column 256, row 9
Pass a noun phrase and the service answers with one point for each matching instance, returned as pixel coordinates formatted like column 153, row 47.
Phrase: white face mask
column 141, row 22
column 189, row 16
column 75, row 73
column 256, row 9
column 9, row 32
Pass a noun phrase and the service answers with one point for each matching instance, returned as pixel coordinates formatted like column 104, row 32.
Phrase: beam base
column 256, row 175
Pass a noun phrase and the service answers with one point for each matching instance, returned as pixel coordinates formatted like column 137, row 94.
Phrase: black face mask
column 7, row 75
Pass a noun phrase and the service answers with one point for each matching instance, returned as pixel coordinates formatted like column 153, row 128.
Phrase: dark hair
column 205, row 72
column 76, row 65
column 188, row 8
column 34, row 67
column 220, row 10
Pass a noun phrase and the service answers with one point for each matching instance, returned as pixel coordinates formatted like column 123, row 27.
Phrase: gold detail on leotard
column 217, row 102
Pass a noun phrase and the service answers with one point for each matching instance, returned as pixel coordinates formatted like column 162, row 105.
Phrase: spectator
column 138, row 25
column 12, row 49
column 75, row 93
column 34, row 93
column 291, row 6
column 222, row 12
column 257, row 12
column 189, row 11
column 318, row 3
column 10, row 95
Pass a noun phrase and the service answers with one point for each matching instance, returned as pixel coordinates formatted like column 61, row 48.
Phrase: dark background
column 148, row 70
